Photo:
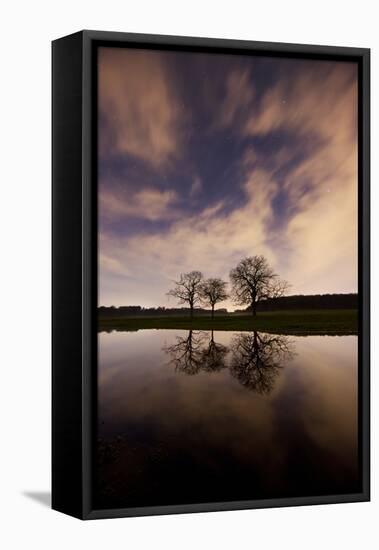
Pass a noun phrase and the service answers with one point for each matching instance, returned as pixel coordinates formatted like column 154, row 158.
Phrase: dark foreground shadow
column 42, row 497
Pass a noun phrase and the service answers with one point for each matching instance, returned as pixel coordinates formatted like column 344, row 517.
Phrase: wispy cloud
column 297, row 151
column 147, row 204
column 196, row 187
column 320, row 104
column 139, row 107
column 239, row 94
column 209, row 241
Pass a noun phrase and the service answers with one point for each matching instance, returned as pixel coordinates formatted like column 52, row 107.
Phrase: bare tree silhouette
column 257, row 359
column 212, row 292
column 254, row 280
column 187, row 289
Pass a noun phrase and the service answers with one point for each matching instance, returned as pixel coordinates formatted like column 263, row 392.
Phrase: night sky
column 207, row 158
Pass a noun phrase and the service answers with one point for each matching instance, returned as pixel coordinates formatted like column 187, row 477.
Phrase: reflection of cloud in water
column 328, row 386
column 304, row 428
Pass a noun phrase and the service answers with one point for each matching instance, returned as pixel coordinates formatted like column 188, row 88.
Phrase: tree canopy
column 188, row 288
column 254, row 280
column 213, row 291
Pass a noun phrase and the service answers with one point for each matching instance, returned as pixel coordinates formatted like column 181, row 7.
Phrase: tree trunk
column 213, row 311
column 254, row 309
column 255, row 341
column 191, row 311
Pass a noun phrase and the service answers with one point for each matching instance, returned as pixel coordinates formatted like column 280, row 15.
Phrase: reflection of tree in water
column 194, row 354
column 257, row 359
column 187, row 353
column 214, row 355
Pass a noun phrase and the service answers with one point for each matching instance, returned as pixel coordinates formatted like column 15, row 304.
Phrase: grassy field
column 332, row 321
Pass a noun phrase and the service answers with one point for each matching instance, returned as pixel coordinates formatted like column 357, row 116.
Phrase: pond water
column 190, row 416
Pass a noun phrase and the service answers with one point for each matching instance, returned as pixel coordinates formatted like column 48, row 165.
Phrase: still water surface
column 189, row 417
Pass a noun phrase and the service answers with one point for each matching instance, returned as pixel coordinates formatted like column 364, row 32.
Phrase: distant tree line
column 314, row 301
column 138, row 311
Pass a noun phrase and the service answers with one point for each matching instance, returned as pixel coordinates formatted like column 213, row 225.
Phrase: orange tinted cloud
column 139, row 105
column 148, row 204
column 320, row 239
column 239, row 94
column 315, row 246
column 320, row 104
column 211, row 241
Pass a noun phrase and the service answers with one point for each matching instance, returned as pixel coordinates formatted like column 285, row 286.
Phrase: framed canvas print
column 210, row 275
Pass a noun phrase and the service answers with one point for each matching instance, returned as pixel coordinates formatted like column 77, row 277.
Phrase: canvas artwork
column 227, row 213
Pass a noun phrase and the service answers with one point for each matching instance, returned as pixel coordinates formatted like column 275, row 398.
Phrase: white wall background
column 26, row 31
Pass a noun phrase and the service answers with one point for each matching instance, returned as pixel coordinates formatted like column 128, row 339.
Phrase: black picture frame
column 74, row 267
